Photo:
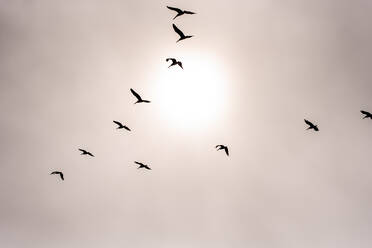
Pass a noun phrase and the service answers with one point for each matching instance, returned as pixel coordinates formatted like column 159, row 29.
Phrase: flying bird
column 367, row 114
column 311, row 125
column 142, row 165
column 139, row 99
column 179, row 32
column 180, row 12
column 222, row 147
column 121, row 126
column 84, row 152
column 174, row 62
column 58, row 173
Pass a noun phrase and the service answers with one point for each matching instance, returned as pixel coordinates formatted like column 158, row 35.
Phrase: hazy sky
column 254, row 70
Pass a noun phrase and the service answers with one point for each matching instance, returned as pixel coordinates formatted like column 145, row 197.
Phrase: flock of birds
column 179, row 63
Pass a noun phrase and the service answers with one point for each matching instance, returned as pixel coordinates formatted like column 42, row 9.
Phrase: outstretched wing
column 365, row 112
column 189, row 12
column 180, row 64
column 178, row 31
column 227, row 150
column 139, row 163
column 173, row 60
column 136, row 94
column 90, row 154
column 217, row 146
column 82, row 150
column 61, row 175
column 147, row 167
column 127, row 128
column 308, row 122
column 175, row 9
column 118, row 123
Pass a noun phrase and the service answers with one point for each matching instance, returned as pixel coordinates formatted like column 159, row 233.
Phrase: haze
column 66, row 68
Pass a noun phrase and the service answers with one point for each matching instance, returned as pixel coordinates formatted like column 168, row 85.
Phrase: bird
column 58, row 173
column 367, row 114
column 180, row 12
column 311, row 125
column 121, row 126
column 174, row 62
column 139, row 99
column 141, row 165
column 84, row 152
column 179, row 32
column 222, row 147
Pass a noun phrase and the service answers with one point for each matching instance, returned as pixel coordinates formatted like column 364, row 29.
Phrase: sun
column 193, row 98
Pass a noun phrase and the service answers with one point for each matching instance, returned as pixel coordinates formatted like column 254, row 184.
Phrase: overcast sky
column 253, row 71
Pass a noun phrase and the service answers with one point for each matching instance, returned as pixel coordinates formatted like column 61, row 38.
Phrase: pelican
column 84, row 152
column 139, row 99
column 179, row 32
column 222, row 147
column 180, row 11
column 58, row 173
column 311, row 125
column 141, row 165
column 121, row 126
column 174, row 62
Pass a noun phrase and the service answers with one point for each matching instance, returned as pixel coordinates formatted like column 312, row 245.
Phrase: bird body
column 366, row 114
column 180, row 12
column 223, row 147
column 139, row 98
column 121, row 126
column 84, row 152
column 174, row 62
column 141, row 165
column 58, row 173
column 311, row 125
column 181, row 34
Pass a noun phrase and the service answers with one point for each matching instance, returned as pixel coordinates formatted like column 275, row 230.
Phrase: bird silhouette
column 179, row 32
column 84, row 152
column 367, row 114
column 139, row 99
column 58, row 173
column 174, row 62
column 121, row 126
column 180, row 12
column 311, row 125
column 141, row 165
column 222, row 147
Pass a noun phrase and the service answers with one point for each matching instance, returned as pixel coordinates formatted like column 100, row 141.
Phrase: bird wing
column 139, row 163
column 226, row 150
column 127, row 128
column 218, row 146
column 178, row 31
column 90, row 154
column 135, row 94
column 365, row 112
column 61, row 175
column 175, row 9
column 316, row 128
column 118, row 123
column 173, row 60
column 189, row 12
column 82, row 150
column 180, row 64
column 308, row 122
column 147, row 167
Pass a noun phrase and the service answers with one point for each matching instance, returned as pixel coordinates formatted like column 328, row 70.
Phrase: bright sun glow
column 194, row 97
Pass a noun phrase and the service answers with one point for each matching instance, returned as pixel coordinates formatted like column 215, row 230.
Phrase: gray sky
column 254, row 70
